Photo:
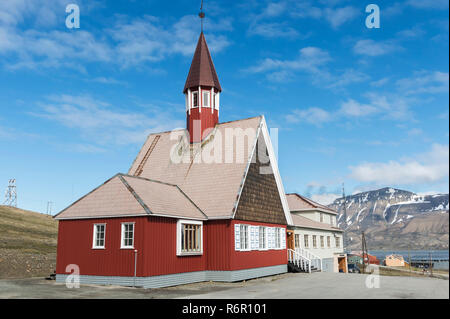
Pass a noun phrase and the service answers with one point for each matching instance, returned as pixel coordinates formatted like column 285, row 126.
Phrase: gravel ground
column 297, row 286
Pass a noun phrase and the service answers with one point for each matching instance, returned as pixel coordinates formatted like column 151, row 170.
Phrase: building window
column 322, row 243
column 194, row 99
column 333, row 220
column 321, row 217
column 127, row 235
column 244, row 237
column 297, row 241
column 328, row 241
column 99, row 236
column 262, row 237
column 338, row 242
column 277, row 238
column 214, row 99
column 206, row 99
column 189, row 237
column 314, row 241
column 306, row 239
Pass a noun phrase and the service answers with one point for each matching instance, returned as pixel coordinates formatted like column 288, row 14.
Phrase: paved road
column 316, row 285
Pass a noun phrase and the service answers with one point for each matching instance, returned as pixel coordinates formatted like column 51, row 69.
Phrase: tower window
column 206, row 99
column 195, row 99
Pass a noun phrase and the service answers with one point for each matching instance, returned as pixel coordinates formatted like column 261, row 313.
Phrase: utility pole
column 364, row 251
column 431, row 266
column 11, row 194
column 344, row 216
column 409, row 258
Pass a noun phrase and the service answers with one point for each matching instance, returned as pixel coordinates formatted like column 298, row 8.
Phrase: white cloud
column 312, row 115
column 428, row 4
column 102, row 123
column 272, row 30
column 353, row 108
column 129, row 42
column 370, row 47
column 338, row 16
column 309, row 59
column 425, row 82
column 430, row 167
column 325, row 199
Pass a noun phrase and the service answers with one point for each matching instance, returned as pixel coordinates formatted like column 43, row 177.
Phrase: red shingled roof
column 202, row 71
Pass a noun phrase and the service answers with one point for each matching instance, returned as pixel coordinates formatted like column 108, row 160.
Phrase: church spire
column 202, row 91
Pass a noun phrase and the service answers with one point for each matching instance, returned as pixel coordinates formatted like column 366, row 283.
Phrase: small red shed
column 204, row 203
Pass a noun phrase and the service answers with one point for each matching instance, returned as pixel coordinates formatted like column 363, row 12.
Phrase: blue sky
column 368, row 107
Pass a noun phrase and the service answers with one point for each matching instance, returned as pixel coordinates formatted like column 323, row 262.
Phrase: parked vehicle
column 353, row 268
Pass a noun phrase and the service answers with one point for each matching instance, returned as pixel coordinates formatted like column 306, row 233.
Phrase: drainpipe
column 135, row 266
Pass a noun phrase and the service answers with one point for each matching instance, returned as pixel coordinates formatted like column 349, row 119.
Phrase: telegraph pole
column 364, row 251
column 344, row 216
column 49, row 208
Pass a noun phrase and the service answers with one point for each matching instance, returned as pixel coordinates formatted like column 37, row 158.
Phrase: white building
column 315, row 235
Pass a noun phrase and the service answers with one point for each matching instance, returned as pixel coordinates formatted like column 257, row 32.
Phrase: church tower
column 202, row 93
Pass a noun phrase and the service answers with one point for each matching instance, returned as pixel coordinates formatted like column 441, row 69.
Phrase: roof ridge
column 136, row 196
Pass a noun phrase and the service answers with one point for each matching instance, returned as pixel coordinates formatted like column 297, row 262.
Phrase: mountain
column 27, row 243
column 394, row 219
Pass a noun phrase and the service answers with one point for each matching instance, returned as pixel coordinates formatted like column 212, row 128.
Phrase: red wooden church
column 198, row 204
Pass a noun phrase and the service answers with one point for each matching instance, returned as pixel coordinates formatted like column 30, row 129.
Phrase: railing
column 316, row 261
column 298, row 260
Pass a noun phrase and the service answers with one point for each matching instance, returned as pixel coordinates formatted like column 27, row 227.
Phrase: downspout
column 135, row 267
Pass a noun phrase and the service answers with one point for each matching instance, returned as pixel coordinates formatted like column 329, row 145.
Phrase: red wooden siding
column 75, row 247
column 155, row 239
column 208, row 120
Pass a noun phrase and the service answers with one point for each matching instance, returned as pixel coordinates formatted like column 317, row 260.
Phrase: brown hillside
column 27, row 243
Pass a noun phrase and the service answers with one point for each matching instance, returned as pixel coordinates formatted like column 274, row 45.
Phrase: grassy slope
column 27, row 243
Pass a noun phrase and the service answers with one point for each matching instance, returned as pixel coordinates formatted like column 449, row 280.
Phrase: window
column 99, row 236
column 328, row 241
column 194, row 99
column 306, row 239
column 214, row 99
column 189, row 237
column 262, row 237
column 333, row 220
column 322, row 244
column 244, row 237
column 297, row 241
column 127, row 235
column 277, row 238
column 321, row 217
column 314, row 241
column 338, row 242
column 206, row 99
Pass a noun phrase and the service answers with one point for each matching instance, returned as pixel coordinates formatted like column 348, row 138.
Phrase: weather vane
column 201, row 14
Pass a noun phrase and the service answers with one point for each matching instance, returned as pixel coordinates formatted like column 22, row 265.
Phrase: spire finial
column 201, row 15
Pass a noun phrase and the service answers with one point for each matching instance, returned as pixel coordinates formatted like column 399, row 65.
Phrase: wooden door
column 290, row 239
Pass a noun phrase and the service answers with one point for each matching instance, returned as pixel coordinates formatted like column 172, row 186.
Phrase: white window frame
column 241, row 226
column 180, row 224
column 264, row 242
column 277, row 238
column 94, row 236
column 122, row 237
column 217, row 101
column 208, row 98
column 198, row 99
column 306, row 241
